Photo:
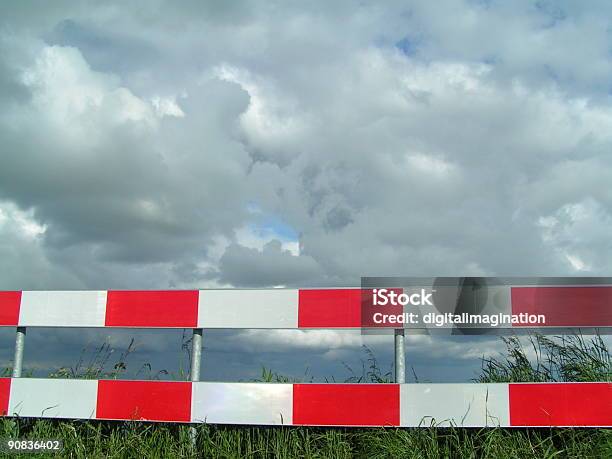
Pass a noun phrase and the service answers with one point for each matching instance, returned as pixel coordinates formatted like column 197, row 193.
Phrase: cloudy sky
column 258, row 144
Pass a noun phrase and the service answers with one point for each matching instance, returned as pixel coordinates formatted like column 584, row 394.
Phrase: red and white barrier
column 571, row 306
column 405, row 405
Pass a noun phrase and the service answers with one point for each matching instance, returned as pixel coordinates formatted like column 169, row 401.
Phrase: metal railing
column 398, row 404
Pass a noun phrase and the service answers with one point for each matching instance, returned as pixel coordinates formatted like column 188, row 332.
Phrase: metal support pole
column 400, row 357
column 19, row 343
column 196, row 357
column 196, row 354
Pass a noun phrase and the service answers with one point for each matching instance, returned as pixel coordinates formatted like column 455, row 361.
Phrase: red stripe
column 161, row 308
column 341, row 308
column 329, row 308
column 561, row 404
column 9, row 308
column 144, row 400
column 5, row 393
column 346, row 404
column 566, row 306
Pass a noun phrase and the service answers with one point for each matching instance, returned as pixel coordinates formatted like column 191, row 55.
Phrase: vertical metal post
column 400, row 357
column 196, row 357
column 18, row 360
column 196, row 354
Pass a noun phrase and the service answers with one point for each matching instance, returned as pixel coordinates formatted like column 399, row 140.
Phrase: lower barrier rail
column 404, row 405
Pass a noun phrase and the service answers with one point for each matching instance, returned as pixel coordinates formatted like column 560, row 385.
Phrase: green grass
column 134, row 439
column 563, row 358
column 573, row 358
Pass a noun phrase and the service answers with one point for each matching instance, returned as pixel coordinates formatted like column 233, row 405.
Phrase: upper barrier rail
column 563, row 306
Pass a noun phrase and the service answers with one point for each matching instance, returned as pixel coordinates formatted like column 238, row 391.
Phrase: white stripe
column 53, row 398
column 66, row 309
column 242, row 403
column 274, row 308
column 463, row 405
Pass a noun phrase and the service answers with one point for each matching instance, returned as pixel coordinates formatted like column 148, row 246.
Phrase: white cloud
column 577, row 231
column 333, row 344
column 167, row 106
column 25, row 264
column 65, row 88
column 24, row 223
column 254, row 237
